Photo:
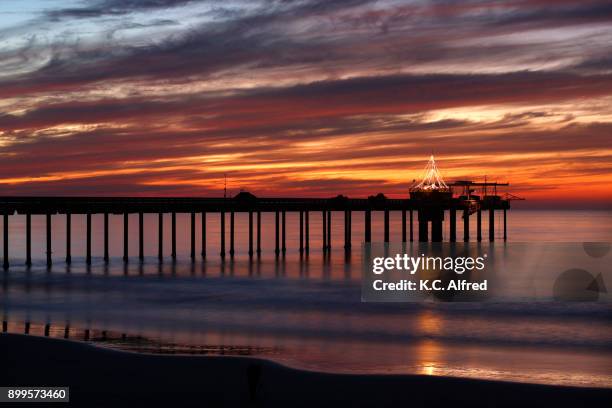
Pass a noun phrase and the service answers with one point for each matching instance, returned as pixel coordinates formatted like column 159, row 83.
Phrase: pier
column 429, row 211
column 431, row 199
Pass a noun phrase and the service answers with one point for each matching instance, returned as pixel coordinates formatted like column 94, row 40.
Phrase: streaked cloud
column 304, row 97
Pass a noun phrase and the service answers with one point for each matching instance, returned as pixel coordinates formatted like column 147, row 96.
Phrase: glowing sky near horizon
column 305, row 97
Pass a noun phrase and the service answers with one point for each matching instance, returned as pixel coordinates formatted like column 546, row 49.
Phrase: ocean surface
column 303, row 311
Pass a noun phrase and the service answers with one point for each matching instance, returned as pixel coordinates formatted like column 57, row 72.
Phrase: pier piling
column 48, row 225
column 347, row 229
column 231, row 251
column 284, row 230
column 28, row 239
column 68, row 238
column 466, row 225
column 346, row 223
column 386, row 227
column 301, row 231
column 160, row 236
column 324, row 230
column 258, row 233
column 350, row 229
column 250, row 234
column 141, row 236
column 329, row 229
column 368, row 226
column 173, row 236
column 88, row 239
column 125, row 237
column 222, row 253
column 5, row 242
column 307, row 231
column 192, row 236
column 106, row 237
column 505, row 231
column 276, row 234
column 203, row 234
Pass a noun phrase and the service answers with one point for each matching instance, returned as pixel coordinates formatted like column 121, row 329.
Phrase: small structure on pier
column 432, row 186
column 432, row 179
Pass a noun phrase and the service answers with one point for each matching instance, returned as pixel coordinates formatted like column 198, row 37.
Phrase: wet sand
column 102, row 377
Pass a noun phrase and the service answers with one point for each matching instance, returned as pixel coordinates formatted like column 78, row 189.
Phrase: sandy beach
column 102, row 377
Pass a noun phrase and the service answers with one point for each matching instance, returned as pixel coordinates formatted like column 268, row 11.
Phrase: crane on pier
column 468, row 188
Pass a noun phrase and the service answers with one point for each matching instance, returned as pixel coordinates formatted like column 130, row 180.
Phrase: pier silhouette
column 430, row 199
column 430, row 216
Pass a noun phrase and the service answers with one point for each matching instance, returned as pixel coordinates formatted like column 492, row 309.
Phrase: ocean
column 303, row 311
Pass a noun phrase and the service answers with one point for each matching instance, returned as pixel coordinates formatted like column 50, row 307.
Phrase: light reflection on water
column 306, row 312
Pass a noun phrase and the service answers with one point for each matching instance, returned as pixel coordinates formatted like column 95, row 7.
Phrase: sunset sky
column 305, row 98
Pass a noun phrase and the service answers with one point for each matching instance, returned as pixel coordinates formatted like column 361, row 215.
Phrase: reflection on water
column 431, row 355
column 311, row 320
column 305, row 312
column 124, row 341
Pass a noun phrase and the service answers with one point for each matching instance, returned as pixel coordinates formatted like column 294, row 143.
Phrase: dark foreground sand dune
column 108, row 378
